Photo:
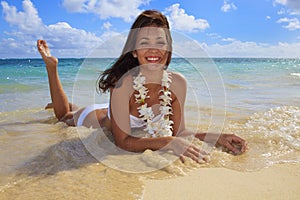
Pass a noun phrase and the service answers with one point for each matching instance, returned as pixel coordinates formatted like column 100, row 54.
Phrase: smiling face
column 151, row 46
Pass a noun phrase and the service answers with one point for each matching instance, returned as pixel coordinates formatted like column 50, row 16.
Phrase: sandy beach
column 279, row 181
column 43, row 159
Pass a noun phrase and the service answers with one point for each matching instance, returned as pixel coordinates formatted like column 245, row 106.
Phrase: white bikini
column 135, row 122
column 89, row 109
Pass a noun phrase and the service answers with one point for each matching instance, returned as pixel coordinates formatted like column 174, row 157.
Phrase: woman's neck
column 152, row 76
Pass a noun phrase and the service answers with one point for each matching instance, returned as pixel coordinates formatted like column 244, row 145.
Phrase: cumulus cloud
column 228, row 6
column 189, row 48
column 292, row 23
column 28, row 20
column 294, row 5
column 107, row 25
column 125, row 9
column 28, row 27
column 181, row 21
column 228, row 39
column 231, row 47
column 253, row 49
column 66, row 41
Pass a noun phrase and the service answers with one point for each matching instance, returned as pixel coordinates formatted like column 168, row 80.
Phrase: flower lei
column 162, row 127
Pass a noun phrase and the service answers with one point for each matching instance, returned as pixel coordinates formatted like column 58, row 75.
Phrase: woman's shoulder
column 178, row 78
column 178, row 84
column 124, row 85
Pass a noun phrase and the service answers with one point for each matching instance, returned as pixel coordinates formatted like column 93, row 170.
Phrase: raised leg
column 59, row 98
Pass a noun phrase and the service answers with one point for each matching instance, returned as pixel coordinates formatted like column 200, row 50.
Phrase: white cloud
column 187, row 47
column 294, row 5
column 179, row 20
column 214, row 35
column 281, row 11
column 28, row 20
column 107, row 25
column 228, row 39
column 67, row 41
column 268, row 17
column 125, row 9
column 283, row 2
column 228, row 6
column 253, row 49
column 28, row 27
column 292, row 23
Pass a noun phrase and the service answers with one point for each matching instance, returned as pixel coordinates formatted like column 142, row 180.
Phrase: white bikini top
column 135, row 122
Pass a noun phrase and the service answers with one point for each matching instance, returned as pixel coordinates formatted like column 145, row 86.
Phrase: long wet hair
column 126, row 62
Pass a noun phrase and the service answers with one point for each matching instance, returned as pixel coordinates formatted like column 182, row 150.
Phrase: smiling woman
column 151, row 46
column 142, row 92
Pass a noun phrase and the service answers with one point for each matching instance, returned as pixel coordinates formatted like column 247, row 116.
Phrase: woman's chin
column 153, row 66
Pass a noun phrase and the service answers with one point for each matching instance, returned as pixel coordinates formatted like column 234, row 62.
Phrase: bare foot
column 48, row 106
column 44, row 50
column 72, row 107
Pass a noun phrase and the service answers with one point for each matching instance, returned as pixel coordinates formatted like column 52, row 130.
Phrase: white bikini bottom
column 89, row 109
column 135, row 122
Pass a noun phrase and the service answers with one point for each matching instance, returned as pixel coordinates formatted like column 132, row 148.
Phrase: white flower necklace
column 162, row 127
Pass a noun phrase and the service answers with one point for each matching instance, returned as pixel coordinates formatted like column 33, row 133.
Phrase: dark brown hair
column 126, row 61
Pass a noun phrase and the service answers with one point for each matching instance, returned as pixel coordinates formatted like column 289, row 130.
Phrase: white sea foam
column 295, row 74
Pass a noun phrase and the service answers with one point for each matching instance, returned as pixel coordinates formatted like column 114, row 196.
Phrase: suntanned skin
column 68, row 113
column 65, row 111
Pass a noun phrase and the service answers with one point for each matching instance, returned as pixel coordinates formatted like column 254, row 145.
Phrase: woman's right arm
column 178, row 145
column 120, row 124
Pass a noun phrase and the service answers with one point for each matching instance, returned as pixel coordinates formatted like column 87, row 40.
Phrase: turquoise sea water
column 256, row 98
column 249, row 83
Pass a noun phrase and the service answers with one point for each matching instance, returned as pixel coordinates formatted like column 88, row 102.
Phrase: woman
column 156, row 96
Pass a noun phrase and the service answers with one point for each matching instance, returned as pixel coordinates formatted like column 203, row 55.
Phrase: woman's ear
column 134, row 54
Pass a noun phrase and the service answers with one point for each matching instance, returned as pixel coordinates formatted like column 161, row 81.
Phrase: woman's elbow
column 124, row 144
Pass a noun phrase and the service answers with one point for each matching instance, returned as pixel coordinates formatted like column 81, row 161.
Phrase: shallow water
column 41, row 158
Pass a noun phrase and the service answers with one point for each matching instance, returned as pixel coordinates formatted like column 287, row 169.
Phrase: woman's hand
column 232, row 143
column 182, row 147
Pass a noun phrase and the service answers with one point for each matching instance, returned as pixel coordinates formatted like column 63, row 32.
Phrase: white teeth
column 152, row 59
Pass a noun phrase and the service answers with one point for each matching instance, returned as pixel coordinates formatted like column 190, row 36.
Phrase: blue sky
column 223, row 28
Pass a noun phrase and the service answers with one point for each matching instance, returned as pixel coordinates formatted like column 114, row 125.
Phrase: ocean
column 41, row 158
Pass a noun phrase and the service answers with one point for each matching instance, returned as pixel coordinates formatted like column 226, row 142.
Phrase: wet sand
column 279, row 181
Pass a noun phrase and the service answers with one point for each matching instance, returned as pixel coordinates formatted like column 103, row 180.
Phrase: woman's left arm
column 230, row 142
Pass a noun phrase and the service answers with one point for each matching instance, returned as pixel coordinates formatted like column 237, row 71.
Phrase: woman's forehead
column 151, row 32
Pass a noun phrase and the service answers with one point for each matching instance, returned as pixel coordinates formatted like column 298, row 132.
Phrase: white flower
column 145, row 112
column 166, row 99
column 138, row 81
column 151, row 128
column 165, row 110
column 165, row 80
column 164, row 126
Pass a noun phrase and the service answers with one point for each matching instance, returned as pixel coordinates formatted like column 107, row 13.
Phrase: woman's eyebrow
column 144, row 38
column 147, row 38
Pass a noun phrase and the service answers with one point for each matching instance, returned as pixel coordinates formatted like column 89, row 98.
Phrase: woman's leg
column 59, row 98
column 62, row 108
column 72, row 107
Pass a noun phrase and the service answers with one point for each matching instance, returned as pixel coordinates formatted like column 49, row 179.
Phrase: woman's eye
column 144, row 43
column 161, row 43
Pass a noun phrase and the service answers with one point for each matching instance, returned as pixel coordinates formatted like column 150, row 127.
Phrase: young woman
column 142, row 94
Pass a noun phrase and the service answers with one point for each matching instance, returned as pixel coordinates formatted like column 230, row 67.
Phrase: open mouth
column 153, row 59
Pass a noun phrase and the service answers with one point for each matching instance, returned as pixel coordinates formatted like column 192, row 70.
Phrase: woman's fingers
column 232, row 143
column 235, row 148
column 183, row 149
column 231, row 148
column 196, row 154
column 241, row 142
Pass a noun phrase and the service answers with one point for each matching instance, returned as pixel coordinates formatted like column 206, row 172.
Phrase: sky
column 222, row 28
